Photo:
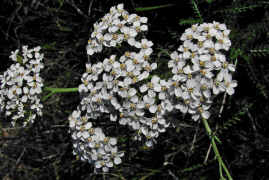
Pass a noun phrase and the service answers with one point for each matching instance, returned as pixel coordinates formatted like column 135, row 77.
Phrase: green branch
column 61, row 90
column 57, row 90
column 140, row 9
column 216, row 151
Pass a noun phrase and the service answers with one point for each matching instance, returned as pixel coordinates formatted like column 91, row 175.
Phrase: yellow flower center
column 202, row 63
column 213, row 58
column 150, row 85
column 200, row 44
column 127, row 54
column 134, row 80
column 122, row 66
column 212, row 51
column 154, row 120
column 189, row 37
column 115, row 36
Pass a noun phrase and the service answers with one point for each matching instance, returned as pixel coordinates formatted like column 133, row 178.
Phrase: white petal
column 143, row 88
column 162, row 96
column 113, row 141
column 155, row 79
column 85, row 135
column 88, row 125
column 113, row 117
column 149, row 143
column 109, row 164
column 195, row 117
column 153, row 109
column 230, row 91
column 206, row 114
column 154, row 66
column 178, row 92
column 157, row 88
column 132, row 92
column 98, row 164
column 117, row 160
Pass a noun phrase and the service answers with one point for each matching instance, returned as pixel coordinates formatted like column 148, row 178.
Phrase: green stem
column 216, row 151
column 60, row 90
column 57, row 90
column 153, row 7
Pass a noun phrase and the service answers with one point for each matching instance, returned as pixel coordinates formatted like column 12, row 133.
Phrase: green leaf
column 50, row 46
column 19, row 59
column 217, row 139
column 189, row 21
column 196, row 9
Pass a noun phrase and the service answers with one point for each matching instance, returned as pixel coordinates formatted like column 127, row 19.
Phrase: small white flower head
column 91, row 144
column 21, row 86
column 114, row 28
column 200, row 69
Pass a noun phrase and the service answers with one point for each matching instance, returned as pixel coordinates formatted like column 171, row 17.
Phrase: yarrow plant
column 21, row 86
column 123, row 88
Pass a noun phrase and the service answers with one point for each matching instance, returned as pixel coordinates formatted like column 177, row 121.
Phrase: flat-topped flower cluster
column 125, row 89
column 91, row 145
column 200, row 69
column 114, row 28
column 111, row 87
column 21, row 85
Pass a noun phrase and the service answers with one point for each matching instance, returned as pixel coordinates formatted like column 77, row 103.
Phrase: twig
column 50, row 156
column 252, row 120
column 222, row 104
column 12, row 18
column 172, row 174
column 90, row 7
column 194, row 138
column 19, row 159
column 207, row 154
column 71, row 2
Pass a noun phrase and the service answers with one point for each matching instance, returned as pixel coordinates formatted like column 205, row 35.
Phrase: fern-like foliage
column 194, row 20
column 196, row 10
column 236, row 118
column 189, row 21
column 243, row 8
column 259, row 52
column 236, row 10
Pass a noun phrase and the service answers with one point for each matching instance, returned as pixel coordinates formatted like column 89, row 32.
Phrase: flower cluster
column 21, row 85
column 91, row 145
column 200, row 69
column 124, row 89
column 116, row 27
column 118, row 86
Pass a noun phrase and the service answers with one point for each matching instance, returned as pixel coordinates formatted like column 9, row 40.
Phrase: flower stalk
column 57, row 90
column 216, row 151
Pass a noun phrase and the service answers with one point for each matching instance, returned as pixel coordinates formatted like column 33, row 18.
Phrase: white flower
column 17, row 83
column 229, row 84
column 14, row 55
